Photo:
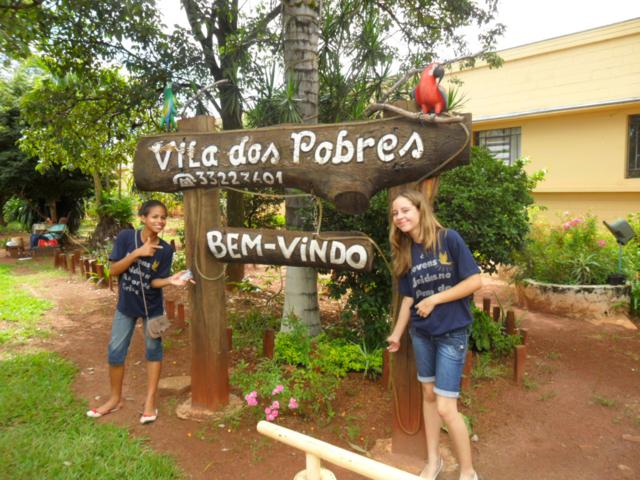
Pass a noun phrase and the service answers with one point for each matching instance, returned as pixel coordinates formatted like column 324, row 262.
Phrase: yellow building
column 570, row 104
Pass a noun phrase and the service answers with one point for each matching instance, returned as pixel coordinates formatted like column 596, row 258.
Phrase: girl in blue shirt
column 437, row 278
column 143, row 262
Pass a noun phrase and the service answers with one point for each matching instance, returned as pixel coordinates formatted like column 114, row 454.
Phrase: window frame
column 633, row 147
column 513, row 134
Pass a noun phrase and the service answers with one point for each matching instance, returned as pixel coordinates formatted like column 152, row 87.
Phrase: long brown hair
column 401, row 242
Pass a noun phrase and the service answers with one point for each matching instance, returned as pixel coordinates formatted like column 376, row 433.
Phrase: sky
column 527, row 21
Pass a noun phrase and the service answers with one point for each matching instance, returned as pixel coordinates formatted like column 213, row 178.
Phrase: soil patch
column 575, row 417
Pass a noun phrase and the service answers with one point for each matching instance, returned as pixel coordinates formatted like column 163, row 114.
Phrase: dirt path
column 570, row 421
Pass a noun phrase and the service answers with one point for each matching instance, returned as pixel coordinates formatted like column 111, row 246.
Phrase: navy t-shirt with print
column 430, row 274
column 130, row 301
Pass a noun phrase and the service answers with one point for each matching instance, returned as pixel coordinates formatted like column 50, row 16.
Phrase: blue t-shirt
column 130, row 301
column 430, row 274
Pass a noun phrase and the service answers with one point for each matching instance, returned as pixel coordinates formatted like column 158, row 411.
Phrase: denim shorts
column 440, row 359
column 121, row 333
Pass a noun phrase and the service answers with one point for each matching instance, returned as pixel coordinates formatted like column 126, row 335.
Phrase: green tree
column 53, row 193
column 91, row 135
column 486, row 202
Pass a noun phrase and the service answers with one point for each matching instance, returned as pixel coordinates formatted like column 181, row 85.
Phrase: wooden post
column 72, row 263
column 180, row 320
column 76, row 260
column 385, row 368
column 524, row 333
column 209, row 362
column 100, row 274
column 511, row 323
column 268, row 343
column 170, row 309
column 87, row 268
column 519, row 359
column 230, row 338
column 486, row 305
column 496, row 314
column 466, row 373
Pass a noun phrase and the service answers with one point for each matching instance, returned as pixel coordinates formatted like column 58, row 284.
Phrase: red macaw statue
column 430, row 96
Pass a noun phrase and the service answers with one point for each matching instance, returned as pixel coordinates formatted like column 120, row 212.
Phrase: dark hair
column 148, row 205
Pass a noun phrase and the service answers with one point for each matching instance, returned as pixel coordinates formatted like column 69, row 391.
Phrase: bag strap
column 144, row 298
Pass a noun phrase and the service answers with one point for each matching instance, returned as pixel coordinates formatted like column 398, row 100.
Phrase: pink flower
column 567, row 225
column 270, row 418
column 267, row 411
column 602, row 243
column 277, row 390
column 251, row 398
column 293, row 404
column 275, row 405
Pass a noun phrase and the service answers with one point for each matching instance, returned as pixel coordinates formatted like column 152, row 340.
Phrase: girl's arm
column 461, row 290
column 174, row 279
column 146, row 250
column 403, row 319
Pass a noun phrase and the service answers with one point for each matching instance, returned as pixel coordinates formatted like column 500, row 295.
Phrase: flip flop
column 423, row 474
column 144, row 419
column 94, row 413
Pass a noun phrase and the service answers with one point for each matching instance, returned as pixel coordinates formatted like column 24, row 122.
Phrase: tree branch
column 417, row 116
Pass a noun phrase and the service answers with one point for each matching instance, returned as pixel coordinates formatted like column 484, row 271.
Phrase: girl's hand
column 425, row 307
column 394, row 343
column 176, row 279
column 147, row 249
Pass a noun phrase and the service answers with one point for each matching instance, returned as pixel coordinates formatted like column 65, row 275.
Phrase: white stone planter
column 586, row 302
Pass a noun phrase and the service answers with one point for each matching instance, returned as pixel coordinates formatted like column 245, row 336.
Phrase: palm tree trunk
column 300, row 26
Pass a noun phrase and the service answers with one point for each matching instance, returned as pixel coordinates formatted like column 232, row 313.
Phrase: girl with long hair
column 437, row 276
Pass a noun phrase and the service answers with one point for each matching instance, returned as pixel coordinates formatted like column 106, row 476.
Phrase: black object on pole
column 623, row 233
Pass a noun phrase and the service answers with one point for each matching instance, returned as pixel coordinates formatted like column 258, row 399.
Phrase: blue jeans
column 121, row 333
column 440, row 359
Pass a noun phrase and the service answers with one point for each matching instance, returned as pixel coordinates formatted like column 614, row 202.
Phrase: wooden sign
column 344, row 163
column 331, row 250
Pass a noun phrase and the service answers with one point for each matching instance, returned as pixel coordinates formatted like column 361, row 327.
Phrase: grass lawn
column 20, row 311
column 44, row 432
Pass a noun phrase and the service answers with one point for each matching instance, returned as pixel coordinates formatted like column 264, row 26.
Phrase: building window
column 503, row 143
column 634, row 147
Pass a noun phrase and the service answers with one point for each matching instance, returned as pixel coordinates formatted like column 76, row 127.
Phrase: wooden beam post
column 511, row 323
column 269, row 343
column 209, row 362
column 486, row 305
column 519, row 359
column 180, row 319
column 468, row 370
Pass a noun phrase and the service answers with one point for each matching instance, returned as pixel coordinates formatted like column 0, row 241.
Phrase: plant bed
column 575, row 301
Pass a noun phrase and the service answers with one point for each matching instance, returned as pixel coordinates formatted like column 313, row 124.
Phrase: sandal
column 144, row 419
column 94, row 413
column 438, row 469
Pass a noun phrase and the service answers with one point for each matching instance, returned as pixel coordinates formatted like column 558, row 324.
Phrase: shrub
column 486, row 202
column 488, row 336
column 574, row 253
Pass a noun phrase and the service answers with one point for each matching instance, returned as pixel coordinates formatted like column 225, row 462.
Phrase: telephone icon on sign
column 184, row 180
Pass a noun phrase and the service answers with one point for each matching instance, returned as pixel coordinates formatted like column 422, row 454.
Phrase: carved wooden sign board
column 334, row 250
column 344, row 163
